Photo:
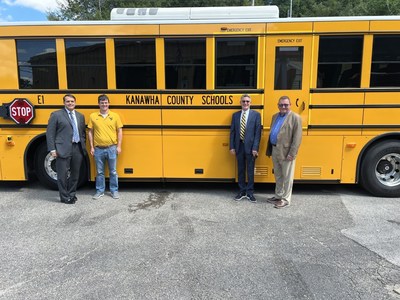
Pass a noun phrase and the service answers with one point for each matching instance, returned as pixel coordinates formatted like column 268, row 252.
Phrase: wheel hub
column 387, row 169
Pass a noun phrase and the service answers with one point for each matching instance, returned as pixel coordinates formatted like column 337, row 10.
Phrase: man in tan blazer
column 283, row 144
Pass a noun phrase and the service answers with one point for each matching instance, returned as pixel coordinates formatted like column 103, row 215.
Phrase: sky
column 25, row 10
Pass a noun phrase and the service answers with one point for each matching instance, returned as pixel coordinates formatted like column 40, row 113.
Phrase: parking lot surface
column 193, row 241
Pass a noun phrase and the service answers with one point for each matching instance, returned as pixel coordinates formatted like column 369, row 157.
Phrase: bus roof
column 237, row 13
column 200, row 15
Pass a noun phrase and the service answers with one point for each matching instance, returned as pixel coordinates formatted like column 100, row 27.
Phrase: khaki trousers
column 284, row 174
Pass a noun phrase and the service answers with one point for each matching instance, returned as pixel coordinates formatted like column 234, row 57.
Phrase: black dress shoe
column 70, row 201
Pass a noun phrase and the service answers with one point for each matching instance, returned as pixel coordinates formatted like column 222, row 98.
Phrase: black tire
column 380, row 169
column 45, row 168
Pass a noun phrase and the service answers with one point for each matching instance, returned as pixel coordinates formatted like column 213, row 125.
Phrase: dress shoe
column 273, row 200
column 70, row 201
column 282, row 204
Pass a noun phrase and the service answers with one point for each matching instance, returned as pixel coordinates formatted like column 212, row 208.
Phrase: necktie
column 243, row 126
column 75, row 137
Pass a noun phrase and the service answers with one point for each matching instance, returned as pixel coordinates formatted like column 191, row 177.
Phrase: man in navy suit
column 66, row 141
column 245, row 139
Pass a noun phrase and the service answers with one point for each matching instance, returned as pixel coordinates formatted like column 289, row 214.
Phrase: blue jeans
column 101, row 155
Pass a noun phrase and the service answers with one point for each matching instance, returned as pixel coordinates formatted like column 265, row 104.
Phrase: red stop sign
column 21, row 111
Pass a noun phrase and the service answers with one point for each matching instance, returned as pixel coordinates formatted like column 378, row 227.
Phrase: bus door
column 288, row 64
column 287, row 73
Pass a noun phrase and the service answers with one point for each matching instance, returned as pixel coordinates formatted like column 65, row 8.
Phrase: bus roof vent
column 196, row 13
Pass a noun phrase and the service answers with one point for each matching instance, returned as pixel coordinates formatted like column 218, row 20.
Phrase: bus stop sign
column 21, row 111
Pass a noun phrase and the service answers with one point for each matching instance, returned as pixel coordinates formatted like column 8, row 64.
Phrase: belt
column 104, row 147
column 273, row 145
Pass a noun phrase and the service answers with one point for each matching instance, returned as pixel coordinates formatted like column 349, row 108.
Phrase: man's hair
column 103, row 98
column 284, row 98
column 70, row 96
column 245, row 95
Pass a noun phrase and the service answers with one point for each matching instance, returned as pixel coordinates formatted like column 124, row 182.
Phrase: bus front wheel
column 380, row 169
column 45, row 166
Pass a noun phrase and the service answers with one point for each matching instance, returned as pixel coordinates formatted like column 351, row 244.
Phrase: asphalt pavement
column 193, row 241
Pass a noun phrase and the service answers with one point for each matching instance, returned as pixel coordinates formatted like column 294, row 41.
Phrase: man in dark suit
column 245, row 139
column 66, row 141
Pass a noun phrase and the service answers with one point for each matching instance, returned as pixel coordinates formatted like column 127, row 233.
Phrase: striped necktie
column 75, row 137
column 243, row 126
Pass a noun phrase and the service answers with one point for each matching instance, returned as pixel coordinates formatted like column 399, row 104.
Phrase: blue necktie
column 75, row 137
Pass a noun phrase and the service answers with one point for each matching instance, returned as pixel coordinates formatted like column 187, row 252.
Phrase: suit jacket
column 253, row 132
column 289, row 136
column 59, row 132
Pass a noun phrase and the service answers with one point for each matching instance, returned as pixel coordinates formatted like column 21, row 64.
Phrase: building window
column 86, row 63
column 135, row 63
column 37, row 64
column 236, row 63
column 339, row 61
column 185, row 63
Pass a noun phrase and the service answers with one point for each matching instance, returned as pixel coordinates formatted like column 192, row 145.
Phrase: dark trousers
column 245, row 162
column 68, row 169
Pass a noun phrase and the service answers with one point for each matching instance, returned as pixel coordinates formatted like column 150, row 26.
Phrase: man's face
column 284, row 106
column 245, row 102
column 69, row 103
column 104, row 105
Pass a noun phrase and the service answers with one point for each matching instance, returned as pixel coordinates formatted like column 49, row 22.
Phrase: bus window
column 86, row 63
column 339, row 61
column 288, row 68
column 37, row 64
column 135, row 63
column 185, row 63
column 385, row 67
column 236, row 63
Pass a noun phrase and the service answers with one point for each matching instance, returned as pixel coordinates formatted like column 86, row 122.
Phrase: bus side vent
column 311, row 172
column 198, row 171
column 261, row 171
column 128, row 171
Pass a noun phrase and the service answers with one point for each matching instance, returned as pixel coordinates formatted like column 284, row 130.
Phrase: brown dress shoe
column 273, row 200
column 281, row 204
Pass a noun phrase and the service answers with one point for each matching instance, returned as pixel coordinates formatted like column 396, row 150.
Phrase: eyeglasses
column 245, row 101
column 283, row 105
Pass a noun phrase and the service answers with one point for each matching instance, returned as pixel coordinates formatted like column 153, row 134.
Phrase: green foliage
column 100, row 9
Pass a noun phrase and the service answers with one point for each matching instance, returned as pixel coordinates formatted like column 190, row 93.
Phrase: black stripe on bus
column 155, row 91
column 354, row 90
column 353, row 126
column 161, row 127
column 345, row 106
column 161, row 107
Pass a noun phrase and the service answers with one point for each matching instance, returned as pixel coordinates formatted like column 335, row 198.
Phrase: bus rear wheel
column 380, row 169
column 45, row 166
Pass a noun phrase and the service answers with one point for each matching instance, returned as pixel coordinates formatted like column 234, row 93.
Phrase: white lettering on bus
column 218, row 100
column 21, row 111
column 142, row 99
column 180, row 100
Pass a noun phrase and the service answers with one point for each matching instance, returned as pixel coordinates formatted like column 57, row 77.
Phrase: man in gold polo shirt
column 105, row 138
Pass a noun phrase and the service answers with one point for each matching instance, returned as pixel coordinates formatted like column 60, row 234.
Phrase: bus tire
column 380, row 169
column 45, row 168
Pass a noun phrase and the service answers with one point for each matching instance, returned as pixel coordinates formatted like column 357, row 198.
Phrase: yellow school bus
column 176, row 75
